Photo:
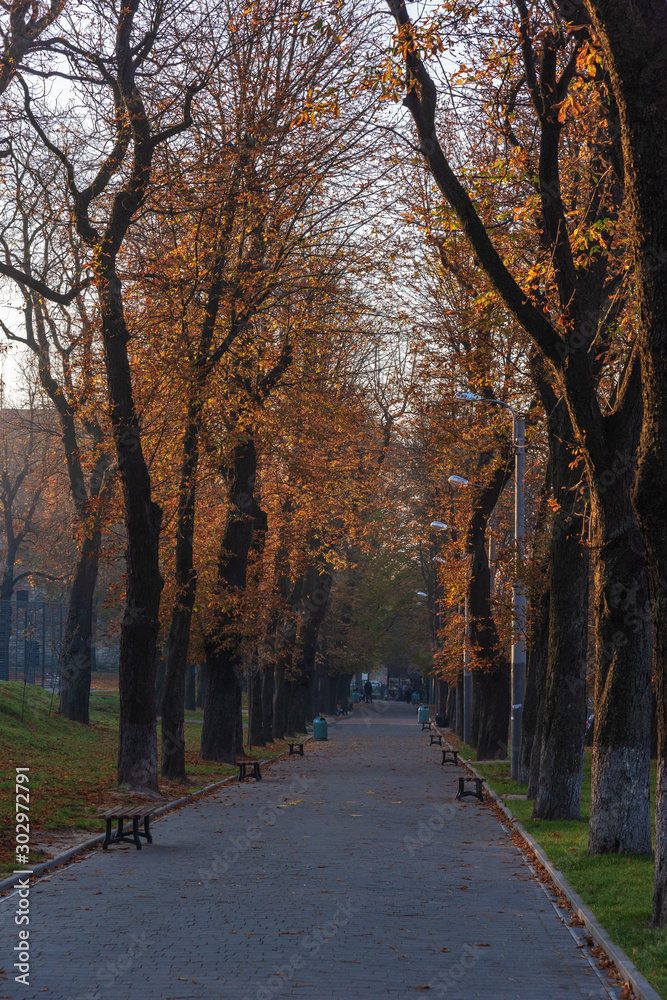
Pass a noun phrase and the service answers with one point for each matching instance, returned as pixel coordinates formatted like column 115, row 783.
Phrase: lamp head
column 458, row 481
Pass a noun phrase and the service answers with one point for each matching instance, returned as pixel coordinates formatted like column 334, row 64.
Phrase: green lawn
column 618, row 889
column 73, row 767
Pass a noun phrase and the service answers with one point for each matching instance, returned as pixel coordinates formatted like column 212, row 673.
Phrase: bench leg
column 258, row 773
column 147, row 831
column 135, row 832
column 107, row 836
column 241, row 772
column 301, row 749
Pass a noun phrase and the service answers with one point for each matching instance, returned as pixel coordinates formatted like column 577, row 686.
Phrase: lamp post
column 518, row 681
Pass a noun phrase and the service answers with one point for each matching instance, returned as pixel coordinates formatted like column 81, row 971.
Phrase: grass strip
column 73, row 767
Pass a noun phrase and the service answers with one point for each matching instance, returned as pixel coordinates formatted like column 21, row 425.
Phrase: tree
column 582, row 287
column 103, row 200
column 239, row 238
column 634, row 41
column 64, row 342
column 21, row 33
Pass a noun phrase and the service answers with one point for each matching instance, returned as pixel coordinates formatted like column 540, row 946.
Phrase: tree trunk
column 315, row 600
column 201, row 684
column 255, row 726
column 279, row 704
column 620, row 814
column 477, row 708
column 178, row 640
column 493, row 694
column 174, row 696
column 78, row 635
column 222, row 708
column 533, row 712
column 267, row 700
column 491, row 678
column 459, row 706
column 564, row 712
column 190, row 700
column 442, row 692
column 222, row 733
column 451, row 706
column 137, row 734
column 159, row 676
column 290, row 707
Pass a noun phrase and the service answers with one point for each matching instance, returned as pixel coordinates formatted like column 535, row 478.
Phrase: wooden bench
column 436, row 738
column 299, row 751
column 244, row 764
column 450, row 756
column 463, row 791
column 142, row 812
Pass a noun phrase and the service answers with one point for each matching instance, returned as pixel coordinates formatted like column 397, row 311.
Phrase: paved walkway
column 350, row 872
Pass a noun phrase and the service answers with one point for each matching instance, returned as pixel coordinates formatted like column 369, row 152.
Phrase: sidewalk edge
column 60, row 859
column 631, row 974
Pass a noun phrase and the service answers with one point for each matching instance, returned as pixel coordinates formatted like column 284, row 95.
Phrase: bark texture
column 491, row 678
column 634, row 40
column 533, row 715
column 563, row 715
column 620, row 813
column 221, row 737
column 315, row 599
column 178, row 639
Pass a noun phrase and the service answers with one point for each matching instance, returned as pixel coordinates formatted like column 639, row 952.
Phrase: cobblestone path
column 350, row 872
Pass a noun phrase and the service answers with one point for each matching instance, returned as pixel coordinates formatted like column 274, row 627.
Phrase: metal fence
column 31, row 634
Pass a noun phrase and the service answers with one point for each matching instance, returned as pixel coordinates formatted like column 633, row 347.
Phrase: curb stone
column 631, row 974
column 44, row 866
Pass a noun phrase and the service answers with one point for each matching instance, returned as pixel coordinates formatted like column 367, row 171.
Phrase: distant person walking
column 368, row 692
column 408, row 694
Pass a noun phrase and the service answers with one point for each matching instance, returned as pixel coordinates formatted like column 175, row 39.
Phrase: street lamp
column 518, row 682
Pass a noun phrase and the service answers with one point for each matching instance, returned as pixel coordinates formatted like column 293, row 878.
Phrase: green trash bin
column 415, row 697
column 422, row 713
column 320, row 728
